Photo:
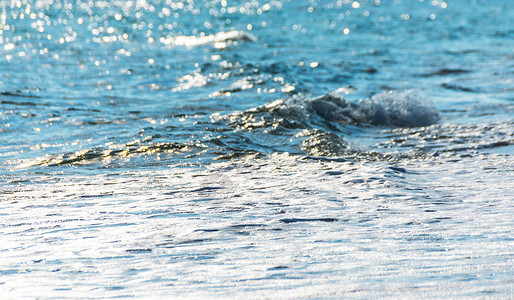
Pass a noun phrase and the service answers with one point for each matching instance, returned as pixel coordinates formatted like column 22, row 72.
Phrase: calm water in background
column 256, row 149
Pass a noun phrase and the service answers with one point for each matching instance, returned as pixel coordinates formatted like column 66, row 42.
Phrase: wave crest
column 400, row 109
column 396, row 109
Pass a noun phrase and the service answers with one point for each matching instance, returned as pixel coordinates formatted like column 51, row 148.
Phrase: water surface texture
column 256, row 149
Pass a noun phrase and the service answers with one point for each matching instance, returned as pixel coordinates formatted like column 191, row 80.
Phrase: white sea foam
column 279, row 227
column 402, row 109
column 398, row 109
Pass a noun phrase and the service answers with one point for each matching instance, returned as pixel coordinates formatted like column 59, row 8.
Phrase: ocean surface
column 256, row 149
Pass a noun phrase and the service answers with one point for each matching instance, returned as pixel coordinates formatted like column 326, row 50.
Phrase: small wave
column 219, row 40
column 455, row 87
column 325, row 144
column 19, row 94
column 446, row 72
column 98, row 154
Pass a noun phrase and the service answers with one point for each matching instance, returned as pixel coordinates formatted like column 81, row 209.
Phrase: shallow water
column 256, row 149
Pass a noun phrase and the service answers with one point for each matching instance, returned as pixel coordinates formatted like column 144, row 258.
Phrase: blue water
column 324, row 149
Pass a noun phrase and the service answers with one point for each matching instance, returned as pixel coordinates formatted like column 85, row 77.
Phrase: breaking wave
column 397, row 109
column 320, row 126
column 403, row 125
column 401, row 109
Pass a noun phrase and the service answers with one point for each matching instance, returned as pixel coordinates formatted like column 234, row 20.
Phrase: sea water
column 256, row 149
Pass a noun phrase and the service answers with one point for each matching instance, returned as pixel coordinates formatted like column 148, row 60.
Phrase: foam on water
column 404, row 109
column 400, row 109
column 277, row 227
